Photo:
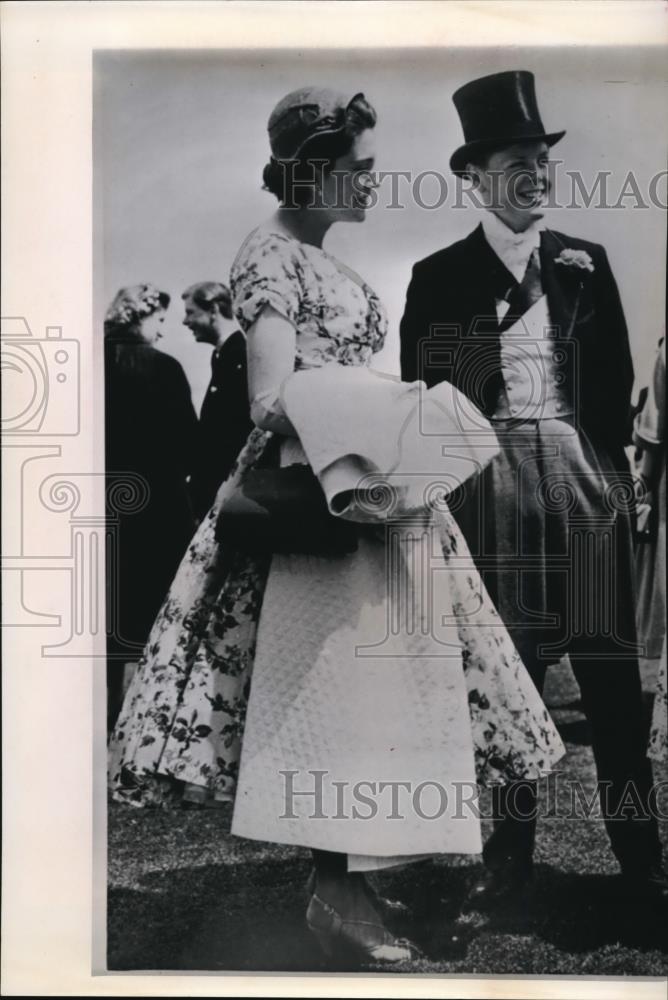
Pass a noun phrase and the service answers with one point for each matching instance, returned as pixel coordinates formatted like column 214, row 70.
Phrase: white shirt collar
column 513, row 249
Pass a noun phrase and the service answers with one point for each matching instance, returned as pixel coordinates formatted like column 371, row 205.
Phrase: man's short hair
column 208, row 294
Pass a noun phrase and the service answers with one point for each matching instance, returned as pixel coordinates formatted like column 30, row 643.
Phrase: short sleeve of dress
column 267, row 271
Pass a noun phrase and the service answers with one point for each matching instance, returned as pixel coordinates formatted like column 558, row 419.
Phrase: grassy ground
column 185, row 895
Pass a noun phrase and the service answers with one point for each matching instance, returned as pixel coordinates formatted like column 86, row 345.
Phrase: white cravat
column 513, row 249
column 532, row 388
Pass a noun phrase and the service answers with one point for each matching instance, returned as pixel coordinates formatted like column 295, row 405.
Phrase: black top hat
column 496, row 111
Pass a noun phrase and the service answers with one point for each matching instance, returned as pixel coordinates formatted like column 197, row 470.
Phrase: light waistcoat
column 532, row 362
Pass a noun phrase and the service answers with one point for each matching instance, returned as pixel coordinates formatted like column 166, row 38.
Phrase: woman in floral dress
column 333, row 698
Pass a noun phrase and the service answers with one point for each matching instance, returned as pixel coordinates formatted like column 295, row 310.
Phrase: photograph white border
column 53, row 710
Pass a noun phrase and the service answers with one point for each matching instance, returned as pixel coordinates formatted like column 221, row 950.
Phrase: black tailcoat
column 450, row 331
column 151, row 435
column 224, row 421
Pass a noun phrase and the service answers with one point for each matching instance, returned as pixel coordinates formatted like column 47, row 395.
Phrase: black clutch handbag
column 283, row 510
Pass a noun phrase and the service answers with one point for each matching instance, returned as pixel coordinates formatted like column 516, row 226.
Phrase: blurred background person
column 649, row 437
column 151, row 436
column 225, row 416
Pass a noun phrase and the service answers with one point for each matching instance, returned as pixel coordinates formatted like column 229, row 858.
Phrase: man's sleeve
column 615, row 351
column 412, row 329
column 185, row 425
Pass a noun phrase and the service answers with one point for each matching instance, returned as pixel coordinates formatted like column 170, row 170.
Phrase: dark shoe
column 498, row 886
column 647, row 884
column 389, row 909
column 359, row 941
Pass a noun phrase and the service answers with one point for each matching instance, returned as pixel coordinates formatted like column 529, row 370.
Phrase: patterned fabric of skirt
column 658, row 736
column 184, row 714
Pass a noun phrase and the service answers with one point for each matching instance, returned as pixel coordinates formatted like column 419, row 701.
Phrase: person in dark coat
column 151, row 436
column 224, row 419
column 649, row 437
column 528, row 323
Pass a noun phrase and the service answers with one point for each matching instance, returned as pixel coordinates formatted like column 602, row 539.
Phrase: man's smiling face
column 513, row 182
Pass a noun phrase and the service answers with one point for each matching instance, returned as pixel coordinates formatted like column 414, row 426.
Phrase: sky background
column 180, row 143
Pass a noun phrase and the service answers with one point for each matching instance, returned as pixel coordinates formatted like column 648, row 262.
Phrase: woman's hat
column 303, row 114
column 496, row 111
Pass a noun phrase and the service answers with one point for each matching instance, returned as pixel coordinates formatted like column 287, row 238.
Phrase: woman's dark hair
column 291, row 181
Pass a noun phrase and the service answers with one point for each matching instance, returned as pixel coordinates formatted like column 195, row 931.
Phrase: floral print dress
column 185, row 712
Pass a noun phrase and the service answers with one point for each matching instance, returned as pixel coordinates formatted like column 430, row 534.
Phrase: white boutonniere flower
column 575, row 258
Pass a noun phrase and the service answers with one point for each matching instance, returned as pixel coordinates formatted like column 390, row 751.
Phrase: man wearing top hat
column 528, row 323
